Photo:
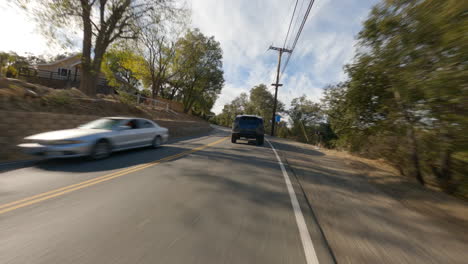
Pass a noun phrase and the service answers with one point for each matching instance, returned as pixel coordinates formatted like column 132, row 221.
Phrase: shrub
column 127, row 99
column 58, row 97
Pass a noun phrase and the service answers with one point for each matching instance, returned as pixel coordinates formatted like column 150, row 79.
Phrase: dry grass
column 18, row 95
column 427, row 199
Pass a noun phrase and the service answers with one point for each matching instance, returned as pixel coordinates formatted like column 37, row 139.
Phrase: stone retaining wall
column 14, row 126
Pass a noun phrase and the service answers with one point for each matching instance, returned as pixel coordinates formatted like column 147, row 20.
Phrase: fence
column 60, row 79
column 153, row 103
column 61, row 74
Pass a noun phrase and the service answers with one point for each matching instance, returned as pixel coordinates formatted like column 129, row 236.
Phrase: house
column 62, row 74
column 68, row 68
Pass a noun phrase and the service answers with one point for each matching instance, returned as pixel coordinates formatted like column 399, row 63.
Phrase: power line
column 287, row 34
column 278, row 33
column 297, row 17
column 303, row 23
column 282, row 50
column 298, row 34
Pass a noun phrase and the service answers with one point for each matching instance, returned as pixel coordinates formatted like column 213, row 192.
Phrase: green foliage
column 308, row 123
column 405, row 99
column 123, row 69
column 127, row 98
column 261, row 104
column 11, row 63
column 11, row 72
column 282, row 130
column 198, row 62
column 58, row 98
column 258, row 102
column 101, row 23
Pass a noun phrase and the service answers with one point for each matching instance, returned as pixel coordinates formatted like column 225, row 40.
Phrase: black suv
column 248, row 126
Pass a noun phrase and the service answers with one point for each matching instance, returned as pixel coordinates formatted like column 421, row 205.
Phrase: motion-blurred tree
column 406, row 95
column 101, row 23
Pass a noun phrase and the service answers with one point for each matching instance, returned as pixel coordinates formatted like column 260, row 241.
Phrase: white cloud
column 19, row 33
column 245, row 29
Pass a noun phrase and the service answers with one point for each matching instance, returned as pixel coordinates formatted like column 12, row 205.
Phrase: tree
column 305, row 110
column 198, row 62
column 11, row 63
column 261, row 104
column 258, row 102
column 101, row 22
column 123, row 69
column 157, row 45
column 60, row 56
column 283, row 130
column 406, row 95
column 237, row 106
column 306, row 117
column 3, row 61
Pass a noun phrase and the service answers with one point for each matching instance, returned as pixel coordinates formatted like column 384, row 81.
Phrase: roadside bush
column 58, row 97
column 11, row 72
column 127, row 99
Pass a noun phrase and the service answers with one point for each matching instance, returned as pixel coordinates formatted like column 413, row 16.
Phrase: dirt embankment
column 28, row 109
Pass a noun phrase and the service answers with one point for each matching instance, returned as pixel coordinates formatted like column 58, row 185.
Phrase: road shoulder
column 323, row 252
column 364, row 224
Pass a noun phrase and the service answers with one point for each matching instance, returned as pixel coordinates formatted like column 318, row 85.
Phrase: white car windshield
column 104, row 123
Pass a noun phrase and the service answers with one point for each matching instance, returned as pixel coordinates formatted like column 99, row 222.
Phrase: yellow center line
column 70, row 188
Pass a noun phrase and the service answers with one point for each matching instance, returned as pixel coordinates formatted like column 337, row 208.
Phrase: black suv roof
column 249, row 116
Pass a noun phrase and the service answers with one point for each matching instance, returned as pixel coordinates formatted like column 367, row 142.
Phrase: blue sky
column 245, row 29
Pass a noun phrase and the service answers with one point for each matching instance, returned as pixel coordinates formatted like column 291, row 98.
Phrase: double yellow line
column 4, row 208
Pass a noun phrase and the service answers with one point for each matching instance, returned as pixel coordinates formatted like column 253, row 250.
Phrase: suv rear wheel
column 233, row 139
column 260, row 140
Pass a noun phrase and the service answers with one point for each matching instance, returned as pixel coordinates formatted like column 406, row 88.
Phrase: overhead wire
column 309, row 7
column 294, row 21
column 303, row 23
column 290, row 23
column 277, row 35
column 297, row 17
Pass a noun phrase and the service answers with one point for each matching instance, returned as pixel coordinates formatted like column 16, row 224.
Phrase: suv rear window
column 249, row 120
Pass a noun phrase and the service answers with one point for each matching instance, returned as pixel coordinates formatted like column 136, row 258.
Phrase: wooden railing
column 55, row 75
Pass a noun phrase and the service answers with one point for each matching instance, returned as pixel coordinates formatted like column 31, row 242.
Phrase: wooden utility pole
column 277, row 84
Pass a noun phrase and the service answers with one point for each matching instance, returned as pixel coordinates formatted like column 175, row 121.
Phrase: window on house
column 62, row 72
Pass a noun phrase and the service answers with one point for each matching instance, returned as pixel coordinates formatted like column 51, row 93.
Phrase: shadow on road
column 121, row 159
column 364, row 218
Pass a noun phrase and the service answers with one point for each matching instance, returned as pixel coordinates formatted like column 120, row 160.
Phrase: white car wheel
column 157, row 142
column 101, row 150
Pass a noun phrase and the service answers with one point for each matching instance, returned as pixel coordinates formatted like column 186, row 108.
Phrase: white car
column 97, row 139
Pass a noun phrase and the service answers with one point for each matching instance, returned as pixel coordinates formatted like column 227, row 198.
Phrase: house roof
column 61, row 60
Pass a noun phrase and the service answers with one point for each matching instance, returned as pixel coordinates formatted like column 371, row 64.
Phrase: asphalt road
column 206, row 200
column 199, row 200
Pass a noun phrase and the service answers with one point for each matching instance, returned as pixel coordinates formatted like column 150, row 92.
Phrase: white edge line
column 309, row 251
